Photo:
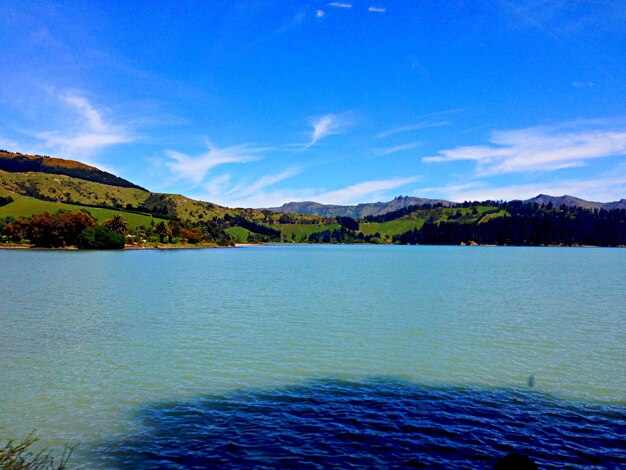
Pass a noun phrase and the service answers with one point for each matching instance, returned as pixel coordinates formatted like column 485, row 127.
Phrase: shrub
column 19, row 455
column 100, row 238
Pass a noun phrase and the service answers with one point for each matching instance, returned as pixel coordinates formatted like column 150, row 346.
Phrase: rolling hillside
column 21, row 163
column 402, row 220
column 25, row 206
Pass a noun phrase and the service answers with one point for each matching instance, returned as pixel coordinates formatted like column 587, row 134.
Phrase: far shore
column 244, row 245
column 130, row 247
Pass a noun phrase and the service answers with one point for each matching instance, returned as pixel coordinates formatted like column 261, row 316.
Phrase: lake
column 317, row 356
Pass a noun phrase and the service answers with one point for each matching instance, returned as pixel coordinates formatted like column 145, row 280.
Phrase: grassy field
column 239, row 233
column 390, row 228
column 24, row 206
column 66, row 189
column 500, row 213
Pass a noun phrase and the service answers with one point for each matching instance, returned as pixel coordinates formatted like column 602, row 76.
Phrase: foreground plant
column 19, row 455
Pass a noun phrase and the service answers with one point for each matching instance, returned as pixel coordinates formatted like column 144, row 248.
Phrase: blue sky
column 257, row 103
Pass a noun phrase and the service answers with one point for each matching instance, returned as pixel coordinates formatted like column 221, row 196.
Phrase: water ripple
column 378, row 423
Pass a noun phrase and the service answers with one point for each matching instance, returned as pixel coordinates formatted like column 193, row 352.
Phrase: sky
column 259, row 103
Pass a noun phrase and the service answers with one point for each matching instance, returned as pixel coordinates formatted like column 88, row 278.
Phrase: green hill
column 25, row 206
column 67, row 189
column 161, row 217
column 21, row 163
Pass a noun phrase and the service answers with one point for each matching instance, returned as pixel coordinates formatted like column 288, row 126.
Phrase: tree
column 192, row 236
column 100, row 238
column 173, row 227
column 57, row 230
column 117, row 225
column 161, row 230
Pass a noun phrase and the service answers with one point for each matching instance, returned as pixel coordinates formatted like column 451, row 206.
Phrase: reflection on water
column 378, row 423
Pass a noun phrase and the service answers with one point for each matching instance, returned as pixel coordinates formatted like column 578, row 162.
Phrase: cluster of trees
column 397, row 214
column 208, row 231
column 348, row 222
column 63, row 229
column 4, row 200
column 529, row 225
column 80, row 229
column 343, row 235
column 100, row 238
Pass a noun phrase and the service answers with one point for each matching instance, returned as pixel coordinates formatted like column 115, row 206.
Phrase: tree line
column 63, row 229
column 530, row 225
column 80, row 229
column 397, row 214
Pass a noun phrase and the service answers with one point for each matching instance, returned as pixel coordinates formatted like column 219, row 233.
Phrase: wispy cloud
column 604, row 188
column 86, row 134
column 219, row 187
column 194, row 168
column 221, row 190
column 583, row 84
column 326, row 125
column 362, row 192
column 394, row 149
column 262, row 193
column 540, row 148
column 377, row 9
column 340, row 5
column 412, row 127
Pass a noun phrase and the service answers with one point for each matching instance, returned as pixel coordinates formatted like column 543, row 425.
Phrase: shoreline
column 247, row 245
column 130, row 247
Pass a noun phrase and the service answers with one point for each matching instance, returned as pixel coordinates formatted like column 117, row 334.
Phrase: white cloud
column 362, row 192
column 91, row 114
column 604, row 188
column 217, row 185
column 87, row 134
column 319, row 13
column 340, row 5
column 412, row 127
column 195, row 168
column 269, row 180
column 377, row 9
column 245, row 191
column 540, row 148
column 326, row 125
column 395, row 149
column 257, row 195
column 220, row 191
column 583, row 84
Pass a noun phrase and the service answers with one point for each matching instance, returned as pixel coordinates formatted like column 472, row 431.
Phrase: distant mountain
column 356, row 212
column 21, row 163
column 571, row 201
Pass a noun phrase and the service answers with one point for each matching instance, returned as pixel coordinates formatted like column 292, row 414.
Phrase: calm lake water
column 317, row 356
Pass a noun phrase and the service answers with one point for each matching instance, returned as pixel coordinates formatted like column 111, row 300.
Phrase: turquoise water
column 88, row 339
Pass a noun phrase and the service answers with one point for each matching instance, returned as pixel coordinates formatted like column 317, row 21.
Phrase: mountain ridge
column 573, row 201
column 16, row 162
column 359, row 211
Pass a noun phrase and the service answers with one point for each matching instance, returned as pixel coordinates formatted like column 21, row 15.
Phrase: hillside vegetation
column 29, row 201
column 18, row 162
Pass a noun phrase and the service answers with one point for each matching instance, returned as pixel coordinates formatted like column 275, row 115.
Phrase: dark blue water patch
column 379, row 423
